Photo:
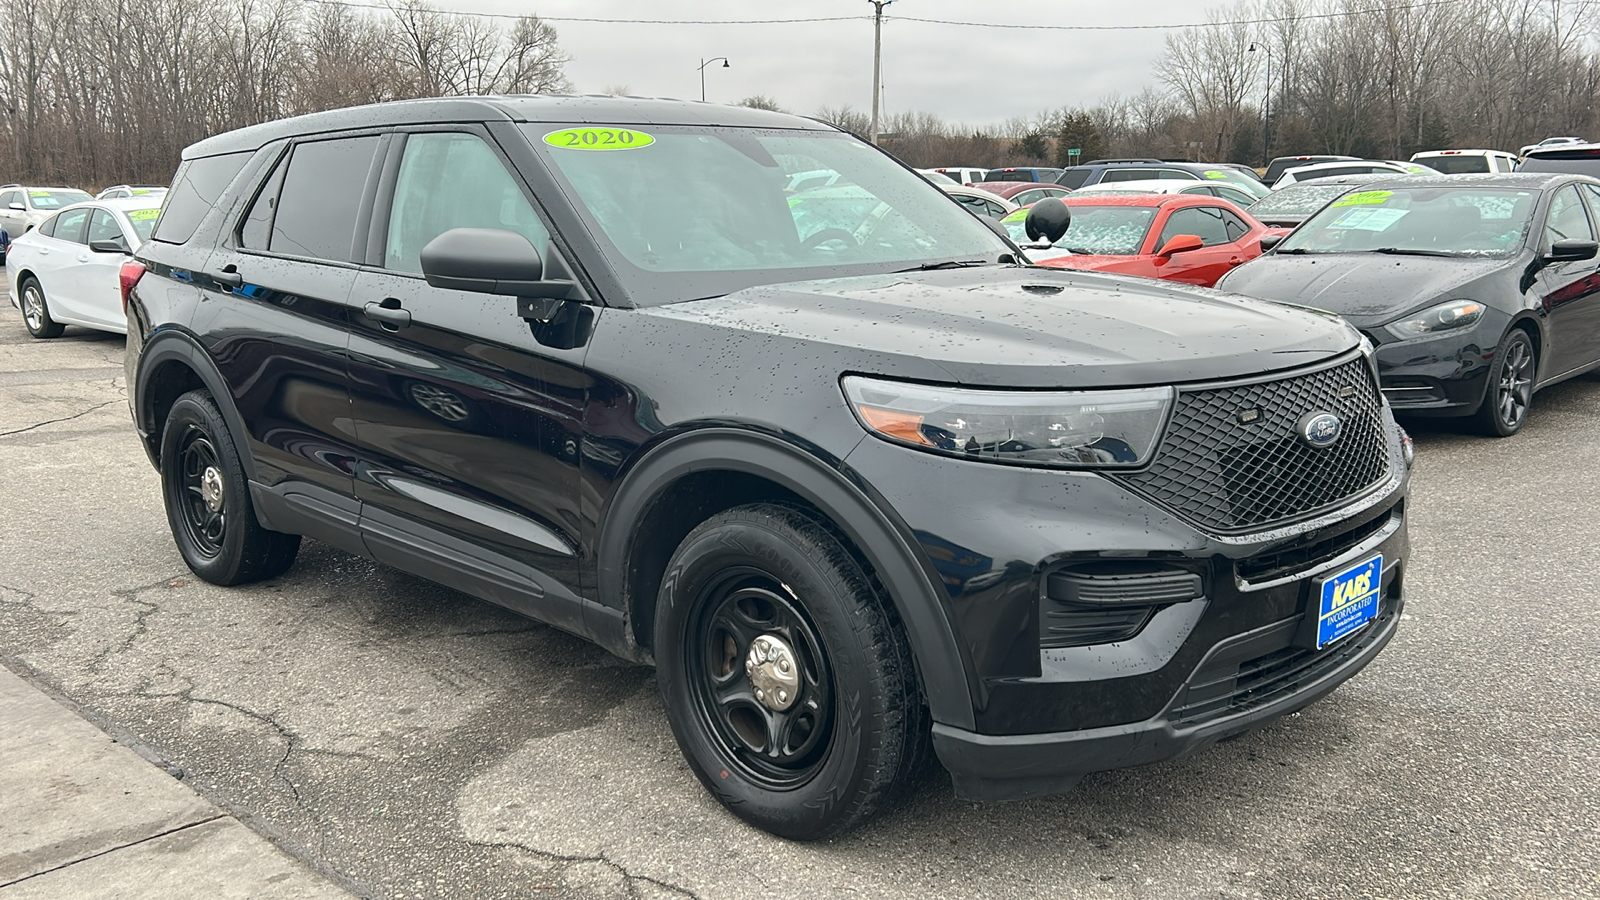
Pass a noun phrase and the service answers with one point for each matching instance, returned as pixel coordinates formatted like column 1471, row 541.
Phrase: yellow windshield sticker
column 38, row 193
column 139, row 215
column 598, row 139
column 1020, row 215
column 1364, row 198
column 1215, row 175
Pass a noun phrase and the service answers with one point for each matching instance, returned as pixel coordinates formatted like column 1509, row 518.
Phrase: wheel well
column 670, row 517
column 1532, row 330
column 23, row 275
column 163, row 386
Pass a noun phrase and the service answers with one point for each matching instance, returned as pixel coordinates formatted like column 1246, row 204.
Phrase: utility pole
column 1266, row 104
column 877, row 60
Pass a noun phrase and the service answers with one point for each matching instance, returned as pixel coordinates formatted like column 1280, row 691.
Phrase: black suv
column 857, row 483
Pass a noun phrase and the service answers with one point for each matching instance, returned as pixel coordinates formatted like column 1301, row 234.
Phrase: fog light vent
column 1104, row 602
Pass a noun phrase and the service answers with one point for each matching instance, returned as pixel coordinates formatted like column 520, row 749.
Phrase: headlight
column 1444, row 317
column 1068, row 429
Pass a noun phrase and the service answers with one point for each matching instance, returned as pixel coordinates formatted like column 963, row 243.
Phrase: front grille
column 1303, row 553
column 1229, row 475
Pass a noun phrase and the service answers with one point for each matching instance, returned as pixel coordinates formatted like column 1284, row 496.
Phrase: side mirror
column 117, row 245
column 19, row 207
column 1268, row 241
column 1571, row 250
column 1048, row 220
column 488, row 261
column 1180, row 243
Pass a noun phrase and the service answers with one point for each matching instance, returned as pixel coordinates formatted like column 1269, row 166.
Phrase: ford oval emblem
column 1320, row 429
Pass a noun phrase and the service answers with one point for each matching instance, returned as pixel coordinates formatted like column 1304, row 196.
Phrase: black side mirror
column 1268, row 241
column 1047, row 220
column 116, row 245
column 1571, row 250
column 488, row 261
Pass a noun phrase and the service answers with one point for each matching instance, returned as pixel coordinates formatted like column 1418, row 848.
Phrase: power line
column 1267, row 21
column 487, row 15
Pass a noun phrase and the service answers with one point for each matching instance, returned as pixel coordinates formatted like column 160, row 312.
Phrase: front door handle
column 389, row 312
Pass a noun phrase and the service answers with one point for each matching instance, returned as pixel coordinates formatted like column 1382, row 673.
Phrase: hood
column 1369, row 288
column 1031, row 327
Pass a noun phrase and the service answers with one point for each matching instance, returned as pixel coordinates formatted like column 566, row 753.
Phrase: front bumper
column 1194, row 673
column 1439, row 375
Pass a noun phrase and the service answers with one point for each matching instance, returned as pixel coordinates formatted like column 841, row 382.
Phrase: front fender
column 883, row 539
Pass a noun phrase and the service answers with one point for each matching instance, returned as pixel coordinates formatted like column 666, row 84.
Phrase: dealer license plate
column 1349, row 600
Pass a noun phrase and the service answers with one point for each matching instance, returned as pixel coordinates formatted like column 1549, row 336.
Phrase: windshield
column 690, row 212
column 1298, row 199
column 1426, row 221
column 55, row 199
column 1095, row 230
column 143, row 221
column 1235, row 177
column 1455, row 165
column 1575, row 162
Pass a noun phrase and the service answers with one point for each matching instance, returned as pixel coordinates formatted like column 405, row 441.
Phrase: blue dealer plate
column 1349, row 600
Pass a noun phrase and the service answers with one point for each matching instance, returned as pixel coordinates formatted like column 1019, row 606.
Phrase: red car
column 1175, row 237
column 1022, row 193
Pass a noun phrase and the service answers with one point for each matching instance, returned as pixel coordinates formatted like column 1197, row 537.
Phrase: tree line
column 107, row 91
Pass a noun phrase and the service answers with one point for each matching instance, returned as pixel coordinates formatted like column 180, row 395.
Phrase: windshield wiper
column 1297, row 251
column 948, row 264
column 1402, row 251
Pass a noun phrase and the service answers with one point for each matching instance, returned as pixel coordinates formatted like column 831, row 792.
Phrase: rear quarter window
column 196, row 189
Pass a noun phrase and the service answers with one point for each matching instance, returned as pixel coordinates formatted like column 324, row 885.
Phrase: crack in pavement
column 62, row 419
column 632, row 879
column 70, row 863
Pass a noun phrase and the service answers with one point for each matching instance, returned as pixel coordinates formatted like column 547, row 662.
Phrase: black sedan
column 1287, row 207
column 1476, row 289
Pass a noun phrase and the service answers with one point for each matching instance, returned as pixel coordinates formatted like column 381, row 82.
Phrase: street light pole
column 1266, row 105
column 877, row 60
column 703, row 64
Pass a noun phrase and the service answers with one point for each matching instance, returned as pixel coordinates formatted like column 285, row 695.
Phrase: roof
column 1557, row 150
column 1005, row 189
column 1511, row 180
column 129, row 203
column 1460, row 153
column 564, row 108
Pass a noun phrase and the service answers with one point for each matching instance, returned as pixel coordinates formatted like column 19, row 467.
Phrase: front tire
column 36, row 312
column 1510, row 391
column 208, row 499
column 786, row 677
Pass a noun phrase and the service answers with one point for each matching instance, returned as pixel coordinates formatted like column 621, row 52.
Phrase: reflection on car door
column 95, row 276
column 11, row 218
column 1569, row 291
column 469, row 426
column 280, row 334
column 57, row 261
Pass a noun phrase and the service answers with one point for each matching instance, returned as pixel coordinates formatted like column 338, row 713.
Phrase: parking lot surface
column 411, row 741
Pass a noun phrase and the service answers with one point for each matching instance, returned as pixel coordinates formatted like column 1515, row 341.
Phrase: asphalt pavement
column 351, row 727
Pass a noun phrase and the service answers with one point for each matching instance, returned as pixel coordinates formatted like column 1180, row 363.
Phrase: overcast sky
column 976, row 76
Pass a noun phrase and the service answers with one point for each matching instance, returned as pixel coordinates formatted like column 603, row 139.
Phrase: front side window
column 73, row 226
column 321, row 197
column 1567, row 220
column 686, row 212
column 1420, row 221
column 1204, row 222
column 103, row 227
column 10, row 198
column 450, row 181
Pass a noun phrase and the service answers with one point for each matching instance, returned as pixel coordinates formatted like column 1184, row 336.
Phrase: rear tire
column 36, row 312
column 208, row 499
column 770, row 577
column 1509, row 395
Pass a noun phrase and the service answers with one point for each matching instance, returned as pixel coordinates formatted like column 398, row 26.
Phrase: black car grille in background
column 1225, row 474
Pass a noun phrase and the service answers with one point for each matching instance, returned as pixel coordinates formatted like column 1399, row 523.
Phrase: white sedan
column 66, row 271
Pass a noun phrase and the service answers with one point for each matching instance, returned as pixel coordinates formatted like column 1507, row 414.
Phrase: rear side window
column 197, row 188
column 452, row 181
column 1577, row 162
column 48, row 226
column 72, row 225
column 321, row 198
column 257, row 228
column 1073, row 178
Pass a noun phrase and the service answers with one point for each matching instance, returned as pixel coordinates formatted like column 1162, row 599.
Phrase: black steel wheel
column 36, row 311
column 208, row 499
column 785, row 673
column 1510, row 391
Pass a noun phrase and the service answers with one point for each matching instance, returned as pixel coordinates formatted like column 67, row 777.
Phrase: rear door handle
column 389, row 312
column 229, row 277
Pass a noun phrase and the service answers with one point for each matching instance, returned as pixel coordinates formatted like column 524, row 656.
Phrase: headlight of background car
column 1444, row 317
column 1070, row 429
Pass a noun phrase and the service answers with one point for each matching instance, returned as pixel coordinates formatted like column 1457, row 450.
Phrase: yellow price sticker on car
column 38, row 193
column 139, row 215
column 598, row 139
column 1216, row 176
column 1364, row 198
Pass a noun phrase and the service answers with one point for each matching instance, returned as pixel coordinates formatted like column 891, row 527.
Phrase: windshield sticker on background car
column 1215, row 175
column 1368, row 219
column 38, row 193
column 139, row 215
column 598, row 139
column 1365, row 198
